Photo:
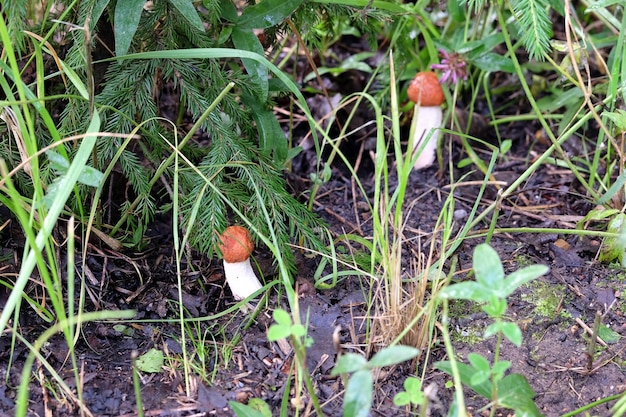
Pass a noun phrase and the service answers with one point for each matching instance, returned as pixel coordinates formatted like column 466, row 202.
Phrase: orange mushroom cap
column 236, row 244
column 425, row 89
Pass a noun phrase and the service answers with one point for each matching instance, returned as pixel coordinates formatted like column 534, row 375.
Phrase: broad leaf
column 242, row 410
column 245, row 39
column 282, row 317
column 512, row 332
column 151, row 361
column 357, row 401
column 272, row 139
column 469, row 290
column 478, row 361
column 496, row 306
column 127, row 16
column 487, row 266
column 277, row 332
column 607, row 334
column 493, row 62
column 499, row 369
column 267, row 13
column 349, row 362
column 412, row 384
column 392, row 355
column 402, row 398
column 515, row 393
column 88, row 176
column 298, row 330
column 521, row 277
column 466, row 372
column 186, row 8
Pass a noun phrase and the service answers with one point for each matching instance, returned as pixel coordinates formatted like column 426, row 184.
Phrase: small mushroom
column 236, row 246
column 425, row 91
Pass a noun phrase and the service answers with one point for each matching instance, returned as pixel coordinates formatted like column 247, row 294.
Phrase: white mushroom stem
column 425, row 134
column 241, row 279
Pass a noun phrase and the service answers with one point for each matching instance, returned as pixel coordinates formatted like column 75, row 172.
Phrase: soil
column 239, row 363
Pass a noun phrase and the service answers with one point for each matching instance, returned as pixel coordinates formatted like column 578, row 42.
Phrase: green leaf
column 520, row 277
column 496, row 307
column 499, row 369
column 126, row 20
column 617, row 185
column 282, row 317
column 492, row 62
column 151, row 361
column 298, row 330
column 487, row 266
column 608, row 335
column 261, row 406
column 246, row 39
column 125, row 330
column 349, row 362
column 186, row 8
column 412, row 384
column 456, row 10
column 492, row 329
column 88, row 176
column 412, row 394
column 277, row 332
column 515, row 393
column 613, row 247
column 242, row 410
column 392, row 355
column 478, row 377
column 466, row 372
column 357, row 401
column 478, row 361
column 272, row 139
column 598, row 213
column 469, row 290
column 402, row 398
column 267, row 13
column 229, row 11
column 505, row 146
column 512, row 332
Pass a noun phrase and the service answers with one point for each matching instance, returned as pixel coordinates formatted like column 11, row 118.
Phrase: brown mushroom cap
column 425, row 89
column 235, row 244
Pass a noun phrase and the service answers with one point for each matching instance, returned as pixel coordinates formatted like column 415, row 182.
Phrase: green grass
column 569, row 88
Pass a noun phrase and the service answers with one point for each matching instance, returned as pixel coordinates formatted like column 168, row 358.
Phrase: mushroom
column 425, row 91
column 236, row 247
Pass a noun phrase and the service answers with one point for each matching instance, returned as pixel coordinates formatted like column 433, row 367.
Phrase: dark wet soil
column 235, row 360
column 239, row 363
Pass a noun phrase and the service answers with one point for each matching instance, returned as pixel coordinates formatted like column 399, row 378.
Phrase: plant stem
column 456, row 377
column 591, row 347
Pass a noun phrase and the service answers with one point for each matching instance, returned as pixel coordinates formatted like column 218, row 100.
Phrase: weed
column 360, row 385
column 491, row 290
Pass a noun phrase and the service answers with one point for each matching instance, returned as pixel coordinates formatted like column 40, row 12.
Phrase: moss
column 521, row 261
column 547, row 299
column 463, row 308
column 469, row 335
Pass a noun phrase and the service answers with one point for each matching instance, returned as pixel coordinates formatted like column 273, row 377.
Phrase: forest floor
column 240, row 363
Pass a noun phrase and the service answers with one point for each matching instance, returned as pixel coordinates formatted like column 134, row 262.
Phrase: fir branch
column 250, row 182
column 14, row 13
column 534, row 26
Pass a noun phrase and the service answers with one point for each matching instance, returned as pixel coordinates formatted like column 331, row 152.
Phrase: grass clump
column 85, row 112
